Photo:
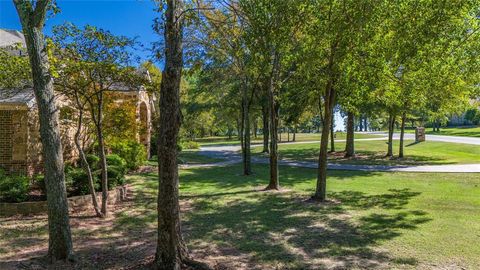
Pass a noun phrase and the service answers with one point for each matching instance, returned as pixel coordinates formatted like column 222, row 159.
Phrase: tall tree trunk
column 172, row 252
column 294, row 132
column 265, row 128
column 279, row 128
column 391, row 127
column 96, row 109
column 247, row 168
column 288, row 134
column 365, row 124
column 85, row 165
column 255, row 128
column 242, row 127
column 33, row 20
column 402, row 134
column 321, row 188
column 103, row 167
column 360, row 123
column 332, row 134
column 329, row 100
column 239, row 128
column 350, row 143
column 273, row 111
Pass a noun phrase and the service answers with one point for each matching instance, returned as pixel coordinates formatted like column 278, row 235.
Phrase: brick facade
column 13, row 141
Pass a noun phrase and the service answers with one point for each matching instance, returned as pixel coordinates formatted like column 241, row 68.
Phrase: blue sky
column 131, row 18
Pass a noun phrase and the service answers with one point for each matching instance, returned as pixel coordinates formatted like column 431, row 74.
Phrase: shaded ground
column 372, row 221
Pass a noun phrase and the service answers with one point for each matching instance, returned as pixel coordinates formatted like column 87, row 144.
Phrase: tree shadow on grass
column 263, row 230
column 396, row 199
column 362, row 157
column 280, row 231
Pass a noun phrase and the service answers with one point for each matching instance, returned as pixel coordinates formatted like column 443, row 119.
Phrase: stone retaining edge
column 75, row 203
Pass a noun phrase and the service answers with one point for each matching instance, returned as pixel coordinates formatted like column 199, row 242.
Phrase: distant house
column 20, row 148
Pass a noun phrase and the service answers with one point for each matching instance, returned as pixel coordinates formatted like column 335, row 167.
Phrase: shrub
column 39, row 179
column 116, row 177
column 13, row 188
column 78, row 184
column 153, row 144
column 117, row 161
column 473, row 115
column 132, row 152
column 189, row 145
column 93, row 161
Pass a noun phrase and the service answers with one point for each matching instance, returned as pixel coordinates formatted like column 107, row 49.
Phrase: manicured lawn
column 373, row 152
column 192, row 157
column 189, row 157
column 393, row 220
column 454, row 131
column 373, row 221
column 299, row 137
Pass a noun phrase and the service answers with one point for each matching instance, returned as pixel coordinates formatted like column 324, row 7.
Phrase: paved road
column 231, row 156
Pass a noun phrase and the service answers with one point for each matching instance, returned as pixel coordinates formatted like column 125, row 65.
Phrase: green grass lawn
column 189, row 157
column 381, row 220
column 299, row 137
column 373, row 152
column 376, row 220
column 453, row 131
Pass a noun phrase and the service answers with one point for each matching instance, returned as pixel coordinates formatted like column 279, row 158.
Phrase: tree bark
column 402, row 134
column 242, row 127
column 294, row 132
column 265, row 121
column 360, row 123
column 96, row 108
column 332, row 134
column 246, row 156
column 350, row 143
column 391, row 127
column 329, row 100
column 321, row 188
column 103, row 167
column 32, row 20
column 273, row 111
column 239, row 128
column 85, row 165
column 172, row 253
column 279, row 128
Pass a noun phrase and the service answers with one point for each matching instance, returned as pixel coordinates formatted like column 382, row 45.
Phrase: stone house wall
column 13, row 140
column 20, row 145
